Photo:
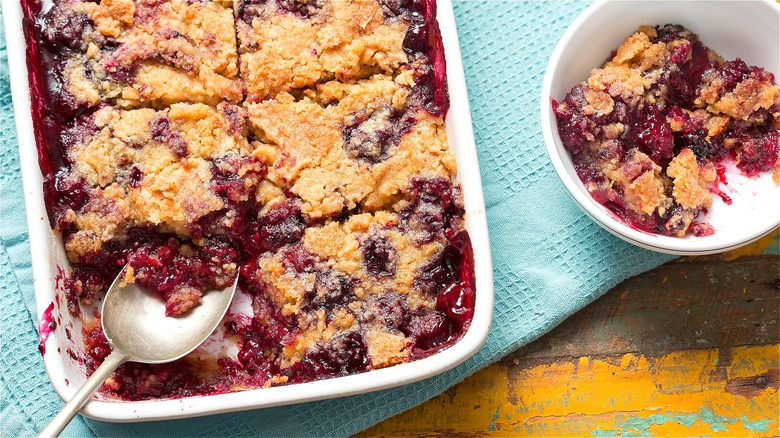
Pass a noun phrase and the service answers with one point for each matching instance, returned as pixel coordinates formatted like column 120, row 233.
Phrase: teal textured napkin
column 549, row 259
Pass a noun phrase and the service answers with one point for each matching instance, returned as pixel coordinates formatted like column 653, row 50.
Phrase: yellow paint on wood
column 679, row 394
column 746, row 360
column 766, row 244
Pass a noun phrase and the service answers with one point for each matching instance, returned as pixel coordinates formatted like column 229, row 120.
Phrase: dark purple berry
column 344, row 355
column 651, row 134
column 394, row 8
column 282, row 224
column 435, row 206
column 732, row 73
column 161, row 132
column 423, row 40
column 246, row 10
column 758, row 154
column 574, row 127
column 416, row 40
column 302, row 8
column 390, row 309
column 457, row 302
column 697, row 142
column 72, row 192
column 679, row 54
column 371, row 133
column 64, row 27
column 135, row 176
column 379, row 255
column 331, row 292
column 429, row 331
column 298, row 259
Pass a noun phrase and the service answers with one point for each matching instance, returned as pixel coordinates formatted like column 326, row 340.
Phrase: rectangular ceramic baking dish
column 49, row 261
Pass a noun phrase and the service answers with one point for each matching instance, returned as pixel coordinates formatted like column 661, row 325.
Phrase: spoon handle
column 81, row 397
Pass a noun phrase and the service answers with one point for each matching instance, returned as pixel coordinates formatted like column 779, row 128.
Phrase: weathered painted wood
column 707, row 304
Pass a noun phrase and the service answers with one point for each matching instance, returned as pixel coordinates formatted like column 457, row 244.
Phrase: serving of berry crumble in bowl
column 319, row 151
column 662, row 119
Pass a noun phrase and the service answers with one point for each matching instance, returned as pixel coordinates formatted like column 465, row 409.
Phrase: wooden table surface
column 690, row 348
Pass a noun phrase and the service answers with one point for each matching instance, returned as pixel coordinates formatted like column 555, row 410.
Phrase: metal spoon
column 137, row 329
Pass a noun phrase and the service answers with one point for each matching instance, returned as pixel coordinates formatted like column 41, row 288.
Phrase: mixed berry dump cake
column 299, row 145
column 650, row 130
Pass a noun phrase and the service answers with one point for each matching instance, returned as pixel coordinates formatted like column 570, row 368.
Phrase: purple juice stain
column 45, row 327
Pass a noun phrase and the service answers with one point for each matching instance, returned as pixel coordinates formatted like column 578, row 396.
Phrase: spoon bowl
column 138, row 330
column 134, row 323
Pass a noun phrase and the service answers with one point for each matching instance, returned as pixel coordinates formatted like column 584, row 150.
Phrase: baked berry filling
column 379, row 255
column 370, row 134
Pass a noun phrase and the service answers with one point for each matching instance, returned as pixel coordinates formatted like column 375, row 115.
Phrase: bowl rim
column 598, row 213
column 461, row 140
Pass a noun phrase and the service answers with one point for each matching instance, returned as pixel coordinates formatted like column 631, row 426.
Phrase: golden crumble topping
column 619, row 81
column 145, row 52
column 155, row 168
column 690, row 180
column 326, row 41
column 388, row 144
column 748, row 97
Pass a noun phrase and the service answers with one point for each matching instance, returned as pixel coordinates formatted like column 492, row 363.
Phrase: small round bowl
column 745, row 29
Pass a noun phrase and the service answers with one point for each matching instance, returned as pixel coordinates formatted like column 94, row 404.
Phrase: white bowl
column 745, row 29
column 67, row 374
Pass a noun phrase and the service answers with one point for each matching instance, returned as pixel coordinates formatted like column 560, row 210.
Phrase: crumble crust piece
column 284, row 46
column 155, row 168
column 145, row 52
column 360, row 151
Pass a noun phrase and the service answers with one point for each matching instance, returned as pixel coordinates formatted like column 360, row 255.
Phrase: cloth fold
column 549, row 259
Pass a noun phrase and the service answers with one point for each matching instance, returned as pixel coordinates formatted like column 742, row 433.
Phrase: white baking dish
column 67, row 374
